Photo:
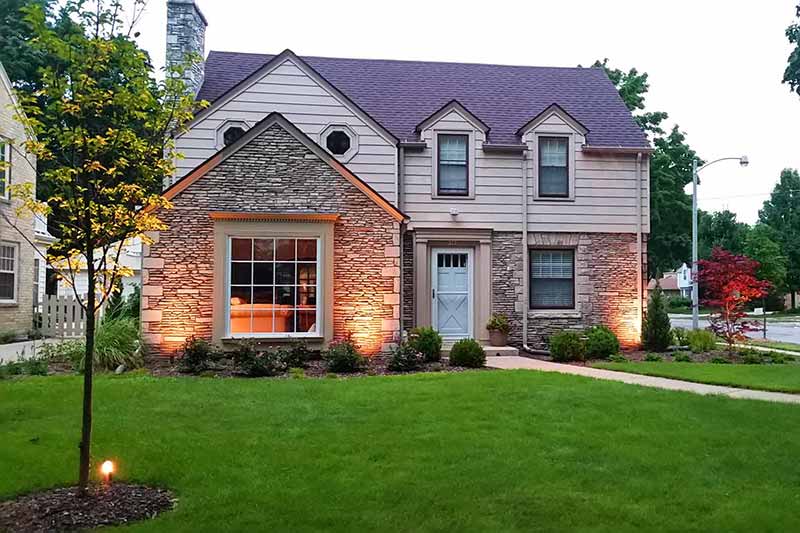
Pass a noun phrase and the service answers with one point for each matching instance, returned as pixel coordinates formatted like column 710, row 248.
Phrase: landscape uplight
column 107, row 469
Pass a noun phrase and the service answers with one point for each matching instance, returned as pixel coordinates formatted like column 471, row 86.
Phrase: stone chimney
column 186, row 34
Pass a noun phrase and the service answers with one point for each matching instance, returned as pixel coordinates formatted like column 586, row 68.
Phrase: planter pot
column 498, row 338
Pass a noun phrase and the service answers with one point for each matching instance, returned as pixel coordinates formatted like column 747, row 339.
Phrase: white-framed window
column 273, row 287
column 452, row 165
column 5, row 168
column 554, row 167
column 9, row 266
column 552, row 279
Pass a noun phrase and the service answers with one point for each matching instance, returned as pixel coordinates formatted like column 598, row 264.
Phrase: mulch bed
column 62, row 510
column 377, row 365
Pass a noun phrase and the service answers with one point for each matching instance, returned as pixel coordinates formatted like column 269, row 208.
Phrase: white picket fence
column 62, row 317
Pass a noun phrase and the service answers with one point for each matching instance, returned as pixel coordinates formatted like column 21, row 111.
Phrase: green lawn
column 476, row 451
column 779, row 378
column 776, row 345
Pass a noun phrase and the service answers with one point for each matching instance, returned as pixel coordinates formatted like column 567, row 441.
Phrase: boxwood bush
column 198, row 355
column 601, row 342
column 467, row 353
column 567, row 346
column 260, row 363
column 426, row 341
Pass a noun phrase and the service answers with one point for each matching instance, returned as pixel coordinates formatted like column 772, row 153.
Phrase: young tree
column 730, row 282
column 102, row 124
column 791, row 75
column 782, row 213
column 657, row 331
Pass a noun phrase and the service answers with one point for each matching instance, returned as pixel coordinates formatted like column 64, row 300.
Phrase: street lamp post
column 743, row 161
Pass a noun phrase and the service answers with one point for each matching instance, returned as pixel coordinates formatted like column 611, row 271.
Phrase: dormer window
column 453, row 165
column 554, row 167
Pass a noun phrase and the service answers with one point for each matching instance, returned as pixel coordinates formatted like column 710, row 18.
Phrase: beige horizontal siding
column 307, row 104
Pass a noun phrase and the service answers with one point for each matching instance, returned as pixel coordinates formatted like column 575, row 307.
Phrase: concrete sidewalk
column 16, row 350
column 509, row 363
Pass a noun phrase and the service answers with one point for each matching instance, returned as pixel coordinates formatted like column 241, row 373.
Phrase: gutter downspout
column 639, row 247
column 526, row 259
column 401, row 153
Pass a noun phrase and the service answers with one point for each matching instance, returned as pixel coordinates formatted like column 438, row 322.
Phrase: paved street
column 776, row 331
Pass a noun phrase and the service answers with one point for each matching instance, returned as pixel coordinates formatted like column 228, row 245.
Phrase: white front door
column 451, row 280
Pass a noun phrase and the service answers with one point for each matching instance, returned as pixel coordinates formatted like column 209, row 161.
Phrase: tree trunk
column 88, row 367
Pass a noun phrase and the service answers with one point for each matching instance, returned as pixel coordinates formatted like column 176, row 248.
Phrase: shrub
column 198, row 355
column 653, row 358
column 297, row 373
column 69, row 351
column 567, row 346
column 720, row 360
column 682, row 357
column 751, row 357
column 259, row 363
column 296, row 355
column 426, row 341
column 779, row 358
column 680, row 336
column 343, row 357
column 7, row 337
column 467, row 353
column 656, row 334
column 117, row 342
column 498, row 322
column 618, row 358
column 405, row 359
column 601, row 342
column 701, row 340
column 32, row 366
column 679, row 302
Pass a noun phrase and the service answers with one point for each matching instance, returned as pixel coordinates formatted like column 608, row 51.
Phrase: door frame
column 470, row 288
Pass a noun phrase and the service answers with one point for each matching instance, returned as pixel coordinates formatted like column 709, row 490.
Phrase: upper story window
column 5, row 169
column 232, row 134
column 8, row 272
column 554, row 167
column 273, row 286
column 339, row 140
column 552, row 279
column 453, row 165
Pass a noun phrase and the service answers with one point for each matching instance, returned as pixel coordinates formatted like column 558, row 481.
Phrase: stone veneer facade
column 606, row 279
column 186, row 35
column 273, row 173
column 408, row 280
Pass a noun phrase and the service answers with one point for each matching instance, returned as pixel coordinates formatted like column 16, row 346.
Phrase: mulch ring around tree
column 61, row 509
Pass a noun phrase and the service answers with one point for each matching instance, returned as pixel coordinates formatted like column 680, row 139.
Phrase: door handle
column 433, row 291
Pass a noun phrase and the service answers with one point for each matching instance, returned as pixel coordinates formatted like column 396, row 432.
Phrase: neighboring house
column 675, row 283
column 325, row 198
column 130, row 257
column 16, row 253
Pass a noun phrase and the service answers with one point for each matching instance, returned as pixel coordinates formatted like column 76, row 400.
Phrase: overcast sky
column 715, row 65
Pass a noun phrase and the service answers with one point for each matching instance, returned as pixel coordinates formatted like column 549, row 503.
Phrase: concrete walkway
column 16, row 350
column 509, row 363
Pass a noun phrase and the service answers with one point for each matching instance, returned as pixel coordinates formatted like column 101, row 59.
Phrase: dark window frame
column 458, row 193
column 566, row 168
column 531, row 305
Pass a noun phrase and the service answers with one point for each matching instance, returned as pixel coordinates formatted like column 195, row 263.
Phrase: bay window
column 273, row 286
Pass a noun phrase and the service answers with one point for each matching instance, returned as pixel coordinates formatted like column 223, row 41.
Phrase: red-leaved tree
column 730, row 282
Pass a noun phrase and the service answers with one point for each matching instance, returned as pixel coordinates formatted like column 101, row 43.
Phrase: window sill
column 452, row 196
column 553, row 199
column 9, row 304
column 554, row 313
column 271, row 339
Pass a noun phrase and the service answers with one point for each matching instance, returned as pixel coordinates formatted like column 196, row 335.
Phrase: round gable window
column 232, row 134
column 338, row 142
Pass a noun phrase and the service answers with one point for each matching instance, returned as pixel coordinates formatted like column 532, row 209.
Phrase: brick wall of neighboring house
column 274, row 173
column 17, row 316
column 605, row 270
column 408, row 280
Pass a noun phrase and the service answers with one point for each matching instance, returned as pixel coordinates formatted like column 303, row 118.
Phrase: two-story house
column 325, row 198
column 17, row 255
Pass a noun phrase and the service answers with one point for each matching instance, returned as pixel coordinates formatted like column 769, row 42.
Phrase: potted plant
column 498, row 327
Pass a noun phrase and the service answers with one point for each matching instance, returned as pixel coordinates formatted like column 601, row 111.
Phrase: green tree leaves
column 791, row 75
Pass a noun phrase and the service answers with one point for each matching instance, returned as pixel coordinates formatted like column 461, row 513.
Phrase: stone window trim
column 471, row 145
column 5, row 169
column 536, row 157
column 9, row 264
column 554, row 312
column 225, row 126
column 224, row 229
column 342, row 128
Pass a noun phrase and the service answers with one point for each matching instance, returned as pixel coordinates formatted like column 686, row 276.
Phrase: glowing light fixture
column 107, row 469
